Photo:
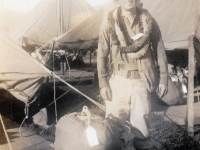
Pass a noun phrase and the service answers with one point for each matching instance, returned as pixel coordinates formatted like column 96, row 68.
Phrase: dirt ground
column 165, row 134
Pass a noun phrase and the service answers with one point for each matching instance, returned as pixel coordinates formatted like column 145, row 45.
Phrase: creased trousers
column 131, row 100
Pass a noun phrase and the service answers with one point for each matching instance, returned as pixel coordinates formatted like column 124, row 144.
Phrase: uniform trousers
column 131, row 100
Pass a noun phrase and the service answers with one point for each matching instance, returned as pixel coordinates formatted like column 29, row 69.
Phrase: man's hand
column 106, row 93
column 162, row 90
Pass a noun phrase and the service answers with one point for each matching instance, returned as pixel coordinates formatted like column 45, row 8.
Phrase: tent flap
column 20, row 74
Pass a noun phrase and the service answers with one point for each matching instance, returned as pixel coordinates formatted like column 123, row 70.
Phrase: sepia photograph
column 99, row 74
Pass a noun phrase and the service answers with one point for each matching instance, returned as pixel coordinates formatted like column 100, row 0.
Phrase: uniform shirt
column 105, row 47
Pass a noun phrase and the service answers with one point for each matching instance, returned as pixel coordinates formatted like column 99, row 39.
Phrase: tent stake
column 190, row 100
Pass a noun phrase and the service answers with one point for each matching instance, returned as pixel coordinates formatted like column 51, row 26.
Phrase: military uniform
column 131, row 80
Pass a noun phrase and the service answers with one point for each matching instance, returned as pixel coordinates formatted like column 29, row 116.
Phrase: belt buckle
column 120, row 66
column 120, row 69
column 133, row 74
column 129, row 76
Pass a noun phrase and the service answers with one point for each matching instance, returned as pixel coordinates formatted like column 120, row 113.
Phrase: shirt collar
column 135, row 19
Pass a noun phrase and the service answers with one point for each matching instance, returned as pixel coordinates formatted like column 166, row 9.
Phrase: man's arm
column 102, row 60
column 159, row 49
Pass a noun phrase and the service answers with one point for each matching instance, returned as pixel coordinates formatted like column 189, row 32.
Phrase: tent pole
column 196, row 16
column 52, row 48
column 70, row 9
column 90, row 58
column 61, row 18
column 190, row 99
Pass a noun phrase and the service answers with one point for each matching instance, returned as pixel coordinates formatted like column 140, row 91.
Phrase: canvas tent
column 20, row 74
column 49, row 19
column 177, row 20
column 10, row 18
column 85, row 35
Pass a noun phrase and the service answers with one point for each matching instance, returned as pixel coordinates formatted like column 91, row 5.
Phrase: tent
column 49, row 19
column 10, row 18
column 20, row 74
column 177, row 20
column 85, row 35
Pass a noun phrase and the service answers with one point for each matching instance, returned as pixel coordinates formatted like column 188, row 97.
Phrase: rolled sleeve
column 159, row 49
column 102, row 55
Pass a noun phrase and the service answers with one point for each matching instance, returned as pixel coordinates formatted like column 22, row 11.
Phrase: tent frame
column 190, row 99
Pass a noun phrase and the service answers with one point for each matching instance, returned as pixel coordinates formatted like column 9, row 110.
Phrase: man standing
column 132, row 64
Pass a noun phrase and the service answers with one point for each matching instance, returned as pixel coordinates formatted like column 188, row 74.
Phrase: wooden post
column 52, row 52
column 90, row 58
column 190, row 100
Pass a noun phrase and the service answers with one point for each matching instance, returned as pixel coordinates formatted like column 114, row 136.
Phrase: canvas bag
column 71, row 133
column 173, row 96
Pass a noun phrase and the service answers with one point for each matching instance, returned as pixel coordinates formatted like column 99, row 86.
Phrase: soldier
column 132, row 64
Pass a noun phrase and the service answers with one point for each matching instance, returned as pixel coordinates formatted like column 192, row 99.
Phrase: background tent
column 20, row 74
column 9, row 19
column 49, row 19
column 85, row 35
column 177, row 20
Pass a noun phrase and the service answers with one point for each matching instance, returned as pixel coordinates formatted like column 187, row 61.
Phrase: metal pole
column 190, row 100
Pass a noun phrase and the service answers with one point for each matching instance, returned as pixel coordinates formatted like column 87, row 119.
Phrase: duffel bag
column 71, row 133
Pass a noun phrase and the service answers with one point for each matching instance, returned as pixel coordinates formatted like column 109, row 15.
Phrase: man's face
column 127, row 4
